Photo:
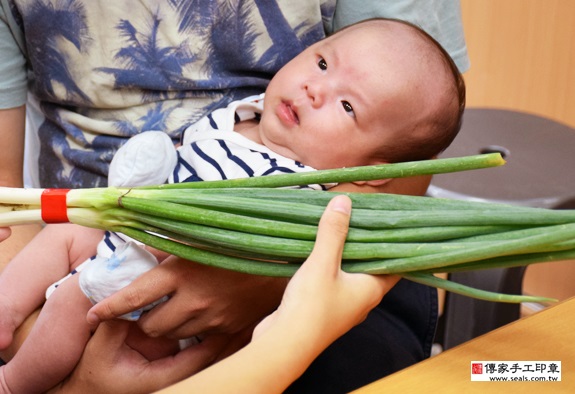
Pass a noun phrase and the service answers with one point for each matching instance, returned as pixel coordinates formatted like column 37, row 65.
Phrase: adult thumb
column 332, row 232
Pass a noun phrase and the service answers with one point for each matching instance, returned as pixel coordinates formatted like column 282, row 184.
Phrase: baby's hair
column 426, row 140
column 445, row 126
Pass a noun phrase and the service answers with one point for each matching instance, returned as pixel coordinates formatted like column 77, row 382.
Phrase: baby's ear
column 377, row 182
column 374, row 183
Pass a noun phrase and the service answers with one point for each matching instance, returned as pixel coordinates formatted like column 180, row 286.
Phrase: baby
column 380, row 91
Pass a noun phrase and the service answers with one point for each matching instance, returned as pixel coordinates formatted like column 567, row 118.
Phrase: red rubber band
column 53, row 205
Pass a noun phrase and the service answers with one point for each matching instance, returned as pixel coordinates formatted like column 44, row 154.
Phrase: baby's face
column 337, row 104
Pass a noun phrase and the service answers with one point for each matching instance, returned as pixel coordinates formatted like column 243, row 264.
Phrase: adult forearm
column 12, row 134
column 267, row 365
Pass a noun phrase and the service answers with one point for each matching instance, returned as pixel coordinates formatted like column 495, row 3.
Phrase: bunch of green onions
column 254, row 226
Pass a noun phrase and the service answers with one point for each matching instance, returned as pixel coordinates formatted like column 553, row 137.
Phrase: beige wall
column 522, row 56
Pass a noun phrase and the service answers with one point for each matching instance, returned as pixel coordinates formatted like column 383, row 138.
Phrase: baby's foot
column 146, row 159
column 7, row 323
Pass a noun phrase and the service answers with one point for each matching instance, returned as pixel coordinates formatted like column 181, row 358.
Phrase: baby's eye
column 348, row 108
column 322, row 64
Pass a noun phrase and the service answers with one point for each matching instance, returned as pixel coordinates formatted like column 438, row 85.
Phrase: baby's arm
column 48, row 257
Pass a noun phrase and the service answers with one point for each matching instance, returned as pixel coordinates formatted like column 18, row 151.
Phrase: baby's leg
column 47, row 258
column 54, row 345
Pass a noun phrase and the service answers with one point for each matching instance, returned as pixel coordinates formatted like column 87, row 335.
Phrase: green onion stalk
column 257, row 226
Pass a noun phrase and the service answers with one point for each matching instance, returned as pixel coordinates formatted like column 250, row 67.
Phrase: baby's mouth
column 294, row 113
column 289, row 113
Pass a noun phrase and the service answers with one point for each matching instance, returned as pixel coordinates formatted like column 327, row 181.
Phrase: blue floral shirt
column 100, row 71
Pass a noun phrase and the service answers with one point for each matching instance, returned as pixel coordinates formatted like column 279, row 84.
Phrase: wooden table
column 546, row 335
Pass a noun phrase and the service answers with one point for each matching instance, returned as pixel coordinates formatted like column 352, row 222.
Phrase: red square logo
column 476, row 368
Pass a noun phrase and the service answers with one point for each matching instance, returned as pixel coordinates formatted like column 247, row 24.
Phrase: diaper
column 103, row 276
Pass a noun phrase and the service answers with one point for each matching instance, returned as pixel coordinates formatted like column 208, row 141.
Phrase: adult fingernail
column 92, row 318
column 341, row 204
